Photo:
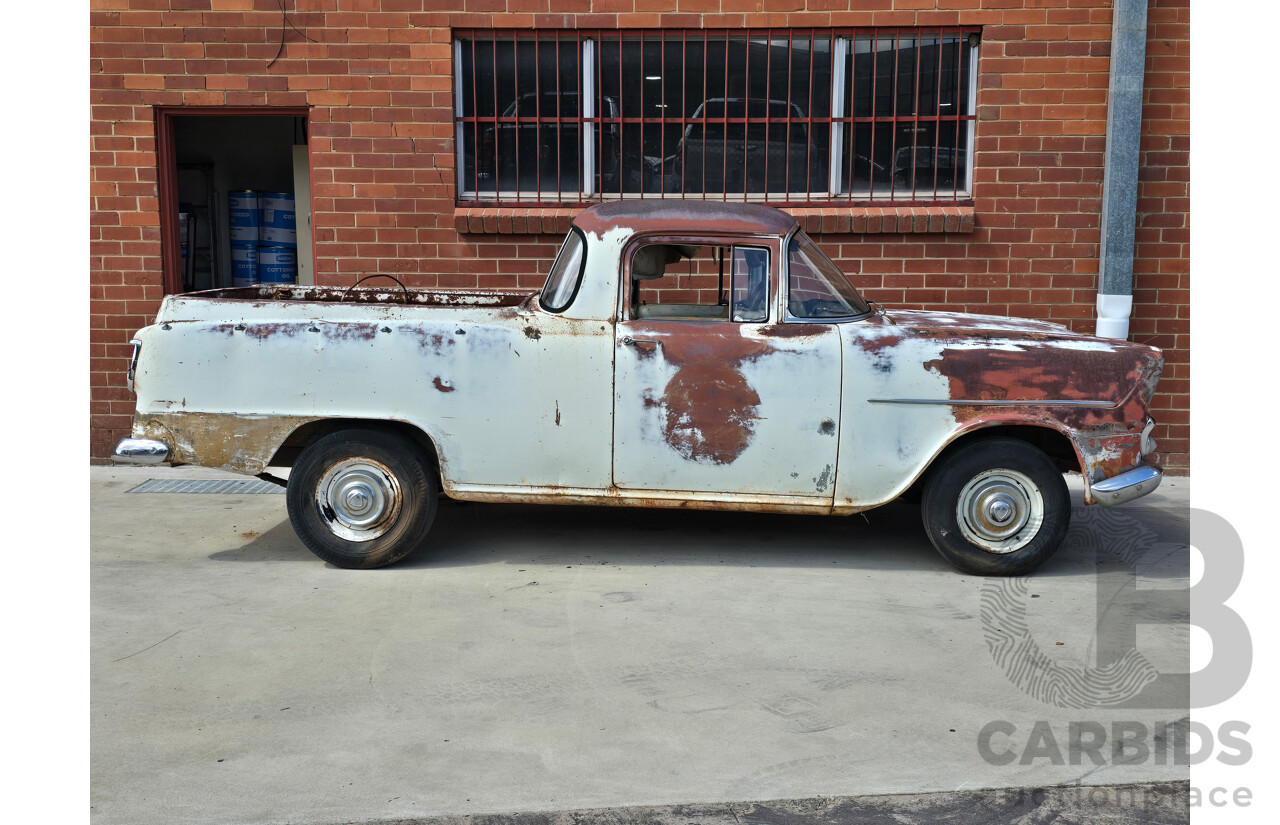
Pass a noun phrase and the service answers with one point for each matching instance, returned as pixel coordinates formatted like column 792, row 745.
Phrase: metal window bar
column 598, row 117
column 956, row 103
column 893, row 109
column 915, row 111
column 937, row 111
column 724, row 122
column 786, row 165
column 586, row 108
column 851, row 46
column 746, row 112
column 808, row 162
column 644, row 98
column 768, row 97
column 705, row 52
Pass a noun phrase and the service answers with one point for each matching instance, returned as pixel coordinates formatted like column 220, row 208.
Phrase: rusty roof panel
column 685, row 215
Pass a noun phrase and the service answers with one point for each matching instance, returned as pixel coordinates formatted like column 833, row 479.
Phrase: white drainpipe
column 1120, row 175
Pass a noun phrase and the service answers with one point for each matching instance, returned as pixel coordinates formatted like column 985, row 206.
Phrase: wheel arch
column 1053, row 442
column 305, row 435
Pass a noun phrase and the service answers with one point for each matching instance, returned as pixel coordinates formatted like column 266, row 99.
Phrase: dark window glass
column 525, row 98
column 726, row 116
column 567, row 116
column 750, row 284
column 923, row 78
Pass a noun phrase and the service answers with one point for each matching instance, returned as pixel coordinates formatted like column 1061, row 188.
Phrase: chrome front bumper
column 140, row 451
column 1127, row 486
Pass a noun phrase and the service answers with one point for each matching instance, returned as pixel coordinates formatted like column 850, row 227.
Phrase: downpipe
column 1120, row 174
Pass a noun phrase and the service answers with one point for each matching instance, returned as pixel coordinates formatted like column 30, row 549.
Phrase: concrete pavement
column 557, row 658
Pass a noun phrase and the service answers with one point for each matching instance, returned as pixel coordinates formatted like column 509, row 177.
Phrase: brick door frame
column 167, row 173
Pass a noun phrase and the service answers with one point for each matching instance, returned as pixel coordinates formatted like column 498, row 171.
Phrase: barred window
column 796, row 117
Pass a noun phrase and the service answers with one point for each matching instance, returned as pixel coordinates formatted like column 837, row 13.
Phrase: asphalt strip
column 1153, row 803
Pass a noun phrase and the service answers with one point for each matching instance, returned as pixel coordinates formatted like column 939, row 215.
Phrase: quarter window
column 784, row 116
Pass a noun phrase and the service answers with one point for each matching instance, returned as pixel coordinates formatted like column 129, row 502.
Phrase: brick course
column 377, row 77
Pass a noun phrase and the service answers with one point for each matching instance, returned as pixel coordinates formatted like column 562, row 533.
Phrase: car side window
column 699, row 282
column 750, row 284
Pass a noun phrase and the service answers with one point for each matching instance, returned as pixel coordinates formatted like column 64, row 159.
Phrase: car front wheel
column 362, row 498
column 996, row 507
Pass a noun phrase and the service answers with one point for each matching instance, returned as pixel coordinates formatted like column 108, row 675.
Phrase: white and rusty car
column 681, row 354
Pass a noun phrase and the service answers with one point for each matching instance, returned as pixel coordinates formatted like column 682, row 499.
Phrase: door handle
column 635, row 342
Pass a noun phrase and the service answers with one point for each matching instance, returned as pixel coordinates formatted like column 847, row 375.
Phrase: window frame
column 626, row 311
column 835, row 125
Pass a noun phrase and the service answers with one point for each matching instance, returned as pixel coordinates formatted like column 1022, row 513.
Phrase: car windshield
column 816, row 287
column 566, row 272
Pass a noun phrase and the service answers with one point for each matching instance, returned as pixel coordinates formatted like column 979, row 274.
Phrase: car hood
column 988, row 358
column 960, row 324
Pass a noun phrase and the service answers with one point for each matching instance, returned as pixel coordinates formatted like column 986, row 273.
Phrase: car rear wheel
column 362, row 498
column 996, row 507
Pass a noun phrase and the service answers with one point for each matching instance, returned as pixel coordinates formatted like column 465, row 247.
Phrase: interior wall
column 247, row 153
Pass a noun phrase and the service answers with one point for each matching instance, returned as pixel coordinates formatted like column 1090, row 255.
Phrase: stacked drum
column 264, row 238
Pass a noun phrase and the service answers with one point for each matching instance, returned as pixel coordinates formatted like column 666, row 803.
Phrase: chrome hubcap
column 1000, row 510
column 359, row 499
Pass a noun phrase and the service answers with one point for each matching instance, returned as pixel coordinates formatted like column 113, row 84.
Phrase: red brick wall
column 378, row 81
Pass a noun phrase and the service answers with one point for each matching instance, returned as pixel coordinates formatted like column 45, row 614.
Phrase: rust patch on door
column 709, row 414
column 442, row 385
column 794, row 330
column 708, row 408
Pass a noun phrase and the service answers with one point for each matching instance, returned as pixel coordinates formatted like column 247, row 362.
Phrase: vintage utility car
column 681, row 354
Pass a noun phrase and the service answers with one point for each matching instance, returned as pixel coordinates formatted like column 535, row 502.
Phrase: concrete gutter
column 1120, row 175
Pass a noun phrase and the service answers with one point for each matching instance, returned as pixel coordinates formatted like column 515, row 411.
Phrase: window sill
column 513, row 220
column 898, row 220
column 826, row 220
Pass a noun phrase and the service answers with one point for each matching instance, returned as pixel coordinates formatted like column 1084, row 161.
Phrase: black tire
column 362, row 498
column 1015, row 504
column 915, row 493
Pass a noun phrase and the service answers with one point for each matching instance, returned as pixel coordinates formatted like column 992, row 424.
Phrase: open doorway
column 235, row 197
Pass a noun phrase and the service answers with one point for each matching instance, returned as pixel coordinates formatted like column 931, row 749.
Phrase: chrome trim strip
column 973, row 402
column 1127, row 486
column 140, row 451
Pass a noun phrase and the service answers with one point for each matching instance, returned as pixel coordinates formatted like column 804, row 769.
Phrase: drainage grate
column 240, row 487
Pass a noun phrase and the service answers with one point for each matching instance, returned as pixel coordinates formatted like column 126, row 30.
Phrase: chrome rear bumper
column 140, row 451
column 1127, row 486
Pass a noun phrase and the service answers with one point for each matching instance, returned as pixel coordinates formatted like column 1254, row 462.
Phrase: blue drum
column 244, row 265
column 277, row 219
column 244, row 219
column 277, row 265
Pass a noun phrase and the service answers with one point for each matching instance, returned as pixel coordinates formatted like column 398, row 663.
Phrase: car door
column 711, row 394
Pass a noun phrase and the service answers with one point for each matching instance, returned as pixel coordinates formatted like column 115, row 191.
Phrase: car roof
column 675, row 215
